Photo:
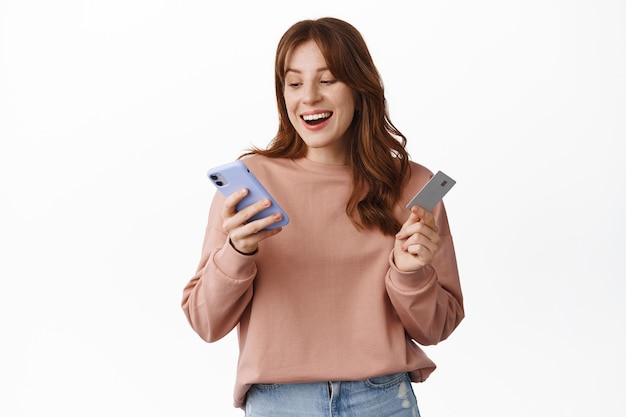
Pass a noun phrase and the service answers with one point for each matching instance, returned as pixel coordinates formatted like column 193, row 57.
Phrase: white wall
column 111, row 112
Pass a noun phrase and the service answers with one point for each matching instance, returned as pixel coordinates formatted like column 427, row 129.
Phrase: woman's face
column 320, row 108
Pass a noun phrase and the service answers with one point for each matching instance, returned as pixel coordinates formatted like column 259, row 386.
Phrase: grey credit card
column 432, row 192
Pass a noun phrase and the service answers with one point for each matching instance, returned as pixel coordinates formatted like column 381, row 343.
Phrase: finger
column 406, row 229
column 229, row 207
column 422, row 232
column 240, row 227
column 421, row 253
column 246, row 238
column 233, row 218
column 418, row 241
column 250, row 242
column 426, row 217
column 256, row 226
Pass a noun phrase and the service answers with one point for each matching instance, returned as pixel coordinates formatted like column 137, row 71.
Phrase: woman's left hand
column 417, row 241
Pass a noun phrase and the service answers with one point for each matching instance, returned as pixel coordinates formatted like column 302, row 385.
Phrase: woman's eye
column 327, row 81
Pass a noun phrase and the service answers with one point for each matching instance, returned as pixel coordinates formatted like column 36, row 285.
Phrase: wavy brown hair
column 377, row 154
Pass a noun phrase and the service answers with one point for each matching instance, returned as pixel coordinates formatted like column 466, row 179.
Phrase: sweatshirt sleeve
column 429, row 301
column 221, row 289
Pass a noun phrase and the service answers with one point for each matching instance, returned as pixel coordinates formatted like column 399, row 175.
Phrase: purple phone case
column 235, row 175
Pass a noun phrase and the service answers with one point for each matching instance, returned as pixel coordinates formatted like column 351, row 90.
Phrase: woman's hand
column 244, row 236
column 417, row 241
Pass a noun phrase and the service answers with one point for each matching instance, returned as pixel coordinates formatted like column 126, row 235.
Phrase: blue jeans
column 384, row 396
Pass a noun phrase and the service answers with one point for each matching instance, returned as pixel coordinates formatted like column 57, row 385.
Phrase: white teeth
column 317, row 116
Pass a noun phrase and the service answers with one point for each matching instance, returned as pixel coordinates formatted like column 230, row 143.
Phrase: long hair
column 377, row 154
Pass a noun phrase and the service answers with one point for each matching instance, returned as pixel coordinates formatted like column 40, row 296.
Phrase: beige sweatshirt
column 322, row 300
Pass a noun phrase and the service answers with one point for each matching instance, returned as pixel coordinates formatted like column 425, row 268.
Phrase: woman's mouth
column 316, row 118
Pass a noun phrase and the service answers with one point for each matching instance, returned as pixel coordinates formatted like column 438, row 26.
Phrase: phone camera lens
column 220, row 183
column 213, row 177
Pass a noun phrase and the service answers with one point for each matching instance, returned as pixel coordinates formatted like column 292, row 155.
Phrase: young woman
column 330, row 309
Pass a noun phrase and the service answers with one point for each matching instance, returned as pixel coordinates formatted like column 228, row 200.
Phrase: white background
column 112, row 111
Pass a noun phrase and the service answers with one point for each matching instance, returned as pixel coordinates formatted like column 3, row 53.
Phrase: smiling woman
column 320, row 107
column 331, row 307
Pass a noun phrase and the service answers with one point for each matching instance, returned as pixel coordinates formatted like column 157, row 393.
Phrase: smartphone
column 235, row 175
column 432, row 192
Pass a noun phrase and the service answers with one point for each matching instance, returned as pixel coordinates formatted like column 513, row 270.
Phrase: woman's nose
column 311, row 93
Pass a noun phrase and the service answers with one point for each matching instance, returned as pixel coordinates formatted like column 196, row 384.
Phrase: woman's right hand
column 244, row 236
